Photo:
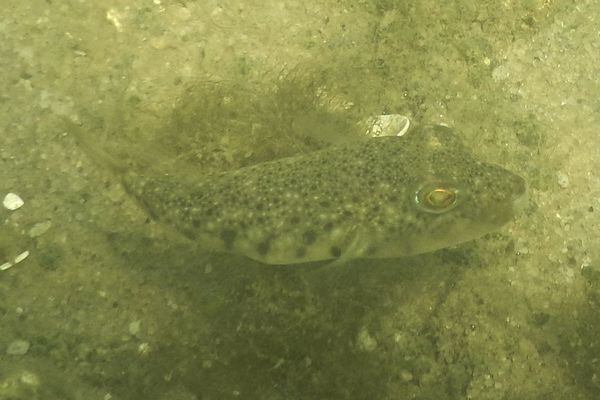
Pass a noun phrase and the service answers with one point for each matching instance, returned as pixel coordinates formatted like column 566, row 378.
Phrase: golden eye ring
column 437, row 198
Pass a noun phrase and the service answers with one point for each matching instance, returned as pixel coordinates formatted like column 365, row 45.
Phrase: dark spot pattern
column 335, row 251
column 280, row 209
column 300, row 252
column 263, row 247
column 228, row 236
column 309, row 237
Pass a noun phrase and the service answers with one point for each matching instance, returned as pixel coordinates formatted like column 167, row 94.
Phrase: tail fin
column 92, row 149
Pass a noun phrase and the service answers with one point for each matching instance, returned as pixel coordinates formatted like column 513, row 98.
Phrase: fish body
column 381, row 197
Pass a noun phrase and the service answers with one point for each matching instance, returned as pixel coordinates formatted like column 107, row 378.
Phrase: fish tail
column 86, row 142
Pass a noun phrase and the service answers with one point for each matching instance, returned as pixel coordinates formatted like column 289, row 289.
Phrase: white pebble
column 12, row 201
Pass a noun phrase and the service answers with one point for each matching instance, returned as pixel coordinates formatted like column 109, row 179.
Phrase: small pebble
column 30, row 379
column 366, row 341
column 39, row 229
column 406, row 375
column 563, row 180
column 18, row 348
column 500, row 73
column 12, row 201
column 134, row 327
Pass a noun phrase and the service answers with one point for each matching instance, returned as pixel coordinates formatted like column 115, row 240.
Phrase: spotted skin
column 353, row 201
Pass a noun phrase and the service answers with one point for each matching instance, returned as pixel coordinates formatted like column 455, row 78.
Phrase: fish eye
column 436, row 198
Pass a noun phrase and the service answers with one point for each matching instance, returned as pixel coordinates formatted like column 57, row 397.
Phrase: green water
column 113, row 303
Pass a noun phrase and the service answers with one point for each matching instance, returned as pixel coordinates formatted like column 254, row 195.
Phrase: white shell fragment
column 18, row 259
column 21, row 257
column 387, row 125
column 12, row 201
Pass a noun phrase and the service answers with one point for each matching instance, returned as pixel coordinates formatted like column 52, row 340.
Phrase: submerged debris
column 16, row 260
column 12, row 201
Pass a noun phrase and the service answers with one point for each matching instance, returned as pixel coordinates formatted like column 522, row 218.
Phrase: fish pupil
column 436, row 198
column 441, row 198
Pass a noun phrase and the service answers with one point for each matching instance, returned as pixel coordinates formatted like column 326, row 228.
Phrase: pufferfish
column 382, row 197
